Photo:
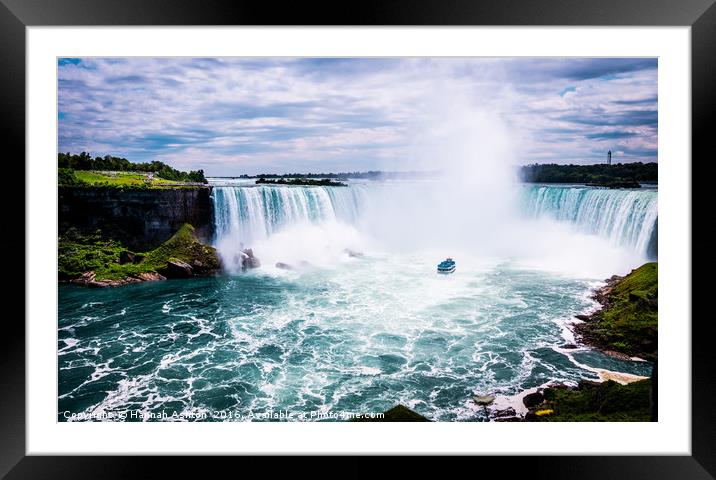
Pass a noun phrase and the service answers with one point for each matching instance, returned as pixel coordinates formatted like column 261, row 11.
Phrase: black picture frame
column 700, row 15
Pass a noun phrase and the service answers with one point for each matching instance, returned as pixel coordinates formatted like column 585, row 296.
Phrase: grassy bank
column 119, row 180
column 110, row 260
column 628, row 321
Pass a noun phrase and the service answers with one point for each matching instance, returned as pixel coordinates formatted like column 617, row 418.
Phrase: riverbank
column 97, row 261
column 626, row 325
column 590, row 401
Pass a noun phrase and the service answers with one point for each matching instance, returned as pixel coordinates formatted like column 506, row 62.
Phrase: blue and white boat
column 446, row 266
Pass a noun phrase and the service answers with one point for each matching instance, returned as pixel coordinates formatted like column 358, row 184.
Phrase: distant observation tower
column 609, row 157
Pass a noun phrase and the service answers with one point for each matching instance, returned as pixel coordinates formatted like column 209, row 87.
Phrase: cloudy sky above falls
column 230, row 116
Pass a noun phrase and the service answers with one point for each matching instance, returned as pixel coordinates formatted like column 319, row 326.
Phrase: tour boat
column 446, row 266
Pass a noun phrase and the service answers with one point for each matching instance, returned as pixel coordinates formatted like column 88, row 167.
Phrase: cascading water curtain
column 244, row 215
column 627, row 217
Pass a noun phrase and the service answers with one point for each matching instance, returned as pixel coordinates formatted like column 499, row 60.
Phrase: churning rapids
column 361, row 321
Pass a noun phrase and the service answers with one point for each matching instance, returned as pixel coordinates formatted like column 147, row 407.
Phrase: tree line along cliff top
column 598, row 174
column 81, row 170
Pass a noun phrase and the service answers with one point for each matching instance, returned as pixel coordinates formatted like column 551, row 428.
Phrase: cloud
column 610, row 135
column 566, row 90
column 232, row 115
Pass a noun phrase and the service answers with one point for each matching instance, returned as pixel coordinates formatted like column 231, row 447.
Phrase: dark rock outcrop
column 140, row 218
column 399, row 413
column 531, row 400
column 506, row 415
column 126, row 257
column 248, row 260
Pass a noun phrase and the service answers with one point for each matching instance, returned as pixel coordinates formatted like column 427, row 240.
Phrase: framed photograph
column 463, row 229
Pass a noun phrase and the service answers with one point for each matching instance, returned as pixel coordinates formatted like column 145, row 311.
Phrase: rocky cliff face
column 141, row 219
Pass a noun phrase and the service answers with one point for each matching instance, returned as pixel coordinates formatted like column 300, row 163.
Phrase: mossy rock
column 79, row 254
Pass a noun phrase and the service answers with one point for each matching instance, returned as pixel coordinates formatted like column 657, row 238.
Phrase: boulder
column 149, row 276
column 353, row 253
column 248, row 260
column 584, row 318
column 483, row 400
column 284, row 266
column 504, row 414
column 568, row 346
column 176, row 269
column 531, row 400
column 88, row 279
column 200, row 267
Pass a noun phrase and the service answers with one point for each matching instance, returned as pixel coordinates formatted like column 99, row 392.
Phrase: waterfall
column 246, row 215
column 626, row 217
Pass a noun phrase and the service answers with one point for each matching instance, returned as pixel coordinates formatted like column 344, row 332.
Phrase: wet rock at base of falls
column 176, row 269
column 483, row 400
column 284, row 266
column 584, row 318
column 248, row 260
column 533, row 399
column 353, row 253
column 568, row 346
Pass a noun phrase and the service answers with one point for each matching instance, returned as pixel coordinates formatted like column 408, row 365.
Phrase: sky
column 231, row 116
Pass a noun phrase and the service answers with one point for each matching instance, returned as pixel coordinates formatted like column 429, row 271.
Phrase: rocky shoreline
column 625, row 325
column 628, row 307
column 89, row 279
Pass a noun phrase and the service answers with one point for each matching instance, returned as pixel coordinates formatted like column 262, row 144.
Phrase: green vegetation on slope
column 110, row 260
column 124, row 180
column 601, row 402
column 84, row 161
column 628, row 322
column 626, row 174
column 79, row 253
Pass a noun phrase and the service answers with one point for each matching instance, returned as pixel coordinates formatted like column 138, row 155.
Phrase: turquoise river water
column 348, row 332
